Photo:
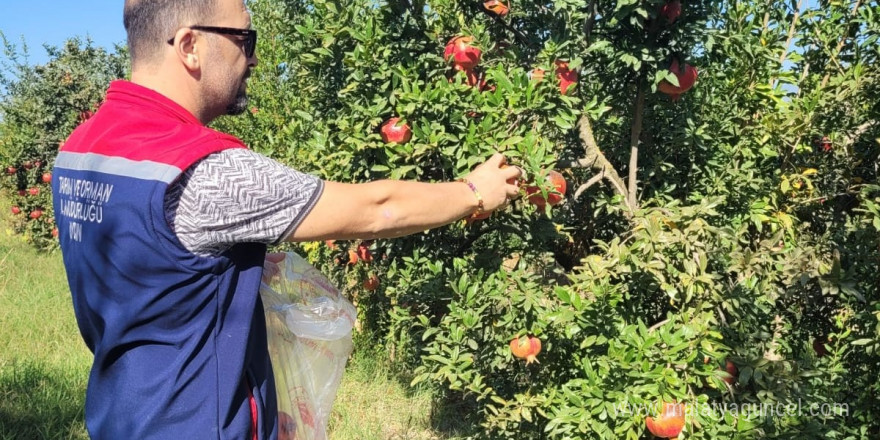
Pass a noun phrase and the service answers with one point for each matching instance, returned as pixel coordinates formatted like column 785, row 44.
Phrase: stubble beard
column 240, row 104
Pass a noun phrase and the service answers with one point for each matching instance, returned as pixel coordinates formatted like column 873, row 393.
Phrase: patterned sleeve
column 237, row 196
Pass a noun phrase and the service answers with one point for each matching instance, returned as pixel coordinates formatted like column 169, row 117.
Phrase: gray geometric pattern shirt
column 237, row 196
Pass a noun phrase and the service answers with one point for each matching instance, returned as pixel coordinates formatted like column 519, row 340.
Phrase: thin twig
column 658, row 325
column 843, row 38
column 791, row 29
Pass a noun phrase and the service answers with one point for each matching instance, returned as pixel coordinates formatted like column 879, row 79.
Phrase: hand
column 496, row 182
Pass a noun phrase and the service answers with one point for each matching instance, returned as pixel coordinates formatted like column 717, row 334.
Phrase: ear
column 186, row 49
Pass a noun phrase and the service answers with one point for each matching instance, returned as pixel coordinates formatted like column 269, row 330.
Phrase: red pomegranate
column 371, row 283
column 669, row 423
column 364, row 254
column 670, row 11
column 526, row 347
column 554, row 195
column 497, row 7
column 567, row 77
column 478, row 80
column 461, row 53
column 394, row 132
column 687, row 77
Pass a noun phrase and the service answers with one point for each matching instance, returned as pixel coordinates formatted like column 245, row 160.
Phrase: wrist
column 475, row 197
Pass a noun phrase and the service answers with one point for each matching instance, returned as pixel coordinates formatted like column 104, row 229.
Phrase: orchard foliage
column 697, row 229
column 40, row 106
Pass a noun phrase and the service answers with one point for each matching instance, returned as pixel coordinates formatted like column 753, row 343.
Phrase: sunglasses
column 250, row 36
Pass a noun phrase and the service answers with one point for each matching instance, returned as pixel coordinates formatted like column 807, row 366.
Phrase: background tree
column 40, row 106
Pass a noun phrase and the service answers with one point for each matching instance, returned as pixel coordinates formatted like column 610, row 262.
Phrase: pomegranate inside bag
column 309, row 325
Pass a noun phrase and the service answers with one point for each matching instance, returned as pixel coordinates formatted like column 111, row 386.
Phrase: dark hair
column 150, row 23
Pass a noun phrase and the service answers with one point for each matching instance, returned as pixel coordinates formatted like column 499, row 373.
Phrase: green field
column 44, row 364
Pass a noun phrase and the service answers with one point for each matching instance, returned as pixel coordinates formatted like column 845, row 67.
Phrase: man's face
column 226, row 73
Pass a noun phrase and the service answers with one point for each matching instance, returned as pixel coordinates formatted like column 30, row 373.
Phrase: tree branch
column 635, row 133
column 593, row 180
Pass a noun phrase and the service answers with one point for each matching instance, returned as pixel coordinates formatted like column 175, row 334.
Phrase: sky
column 54, row 21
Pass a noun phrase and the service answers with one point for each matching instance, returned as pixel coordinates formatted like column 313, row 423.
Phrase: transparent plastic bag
column 309, row 325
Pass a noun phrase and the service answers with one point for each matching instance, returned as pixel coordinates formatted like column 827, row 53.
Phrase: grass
column 44, row 364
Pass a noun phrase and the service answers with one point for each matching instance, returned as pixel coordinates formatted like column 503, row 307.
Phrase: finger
column 514, row 193
column 497, row 160
column 513, row 172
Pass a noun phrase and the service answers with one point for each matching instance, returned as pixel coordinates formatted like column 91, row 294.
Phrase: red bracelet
column 477, row 195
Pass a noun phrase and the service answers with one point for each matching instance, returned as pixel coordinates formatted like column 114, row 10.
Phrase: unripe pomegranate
column 392, row 131
column 567, row 77
column 497, row 7
column 461, row 53
column 687, row 77
column 554, row 196
column 669, row 423
column 670, row 11
column 526, row 347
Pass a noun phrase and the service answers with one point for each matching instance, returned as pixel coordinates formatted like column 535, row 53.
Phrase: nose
column 253, row 61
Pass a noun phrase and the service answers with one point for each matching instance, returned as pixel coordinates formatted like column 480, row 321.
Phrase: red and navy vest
column 179, row 340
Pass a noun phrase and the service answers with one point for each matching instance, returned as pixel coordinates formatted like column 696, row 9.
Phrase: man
column 164, row 225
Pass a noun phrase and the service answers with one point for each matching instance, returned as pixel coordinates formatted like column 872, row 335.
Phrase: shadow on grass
column 38, row 402
column 454, row 419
